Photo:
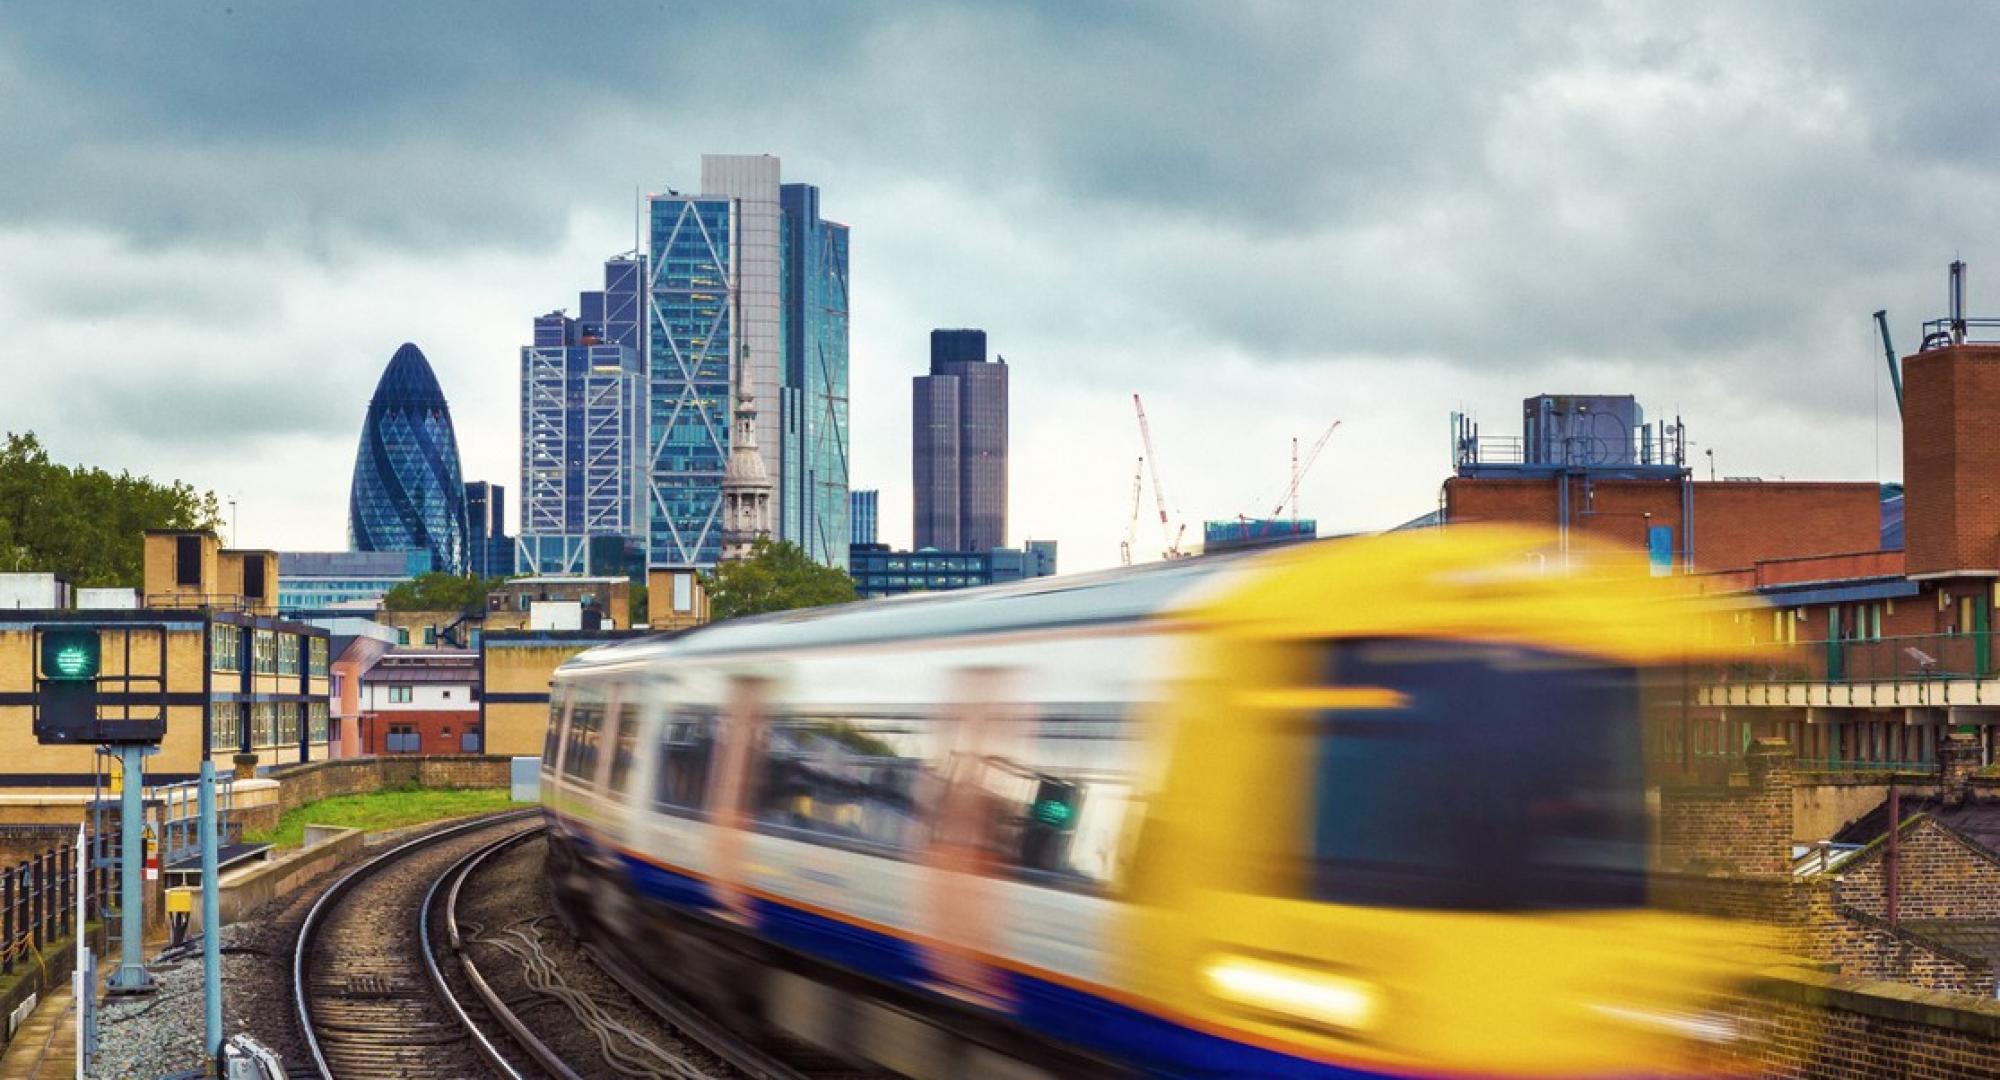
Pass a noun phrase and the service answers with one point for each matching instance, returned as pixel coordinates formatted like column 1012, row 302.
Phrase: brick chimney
column 1958, row 760
column 1951, row 461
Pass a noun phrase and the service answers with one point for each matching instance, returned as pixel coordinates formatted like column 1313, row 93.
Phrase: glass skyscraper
column 959, row 452
column 408, row 494
column 813, row 495
column 745, row 281
column 861, row 517
column 584, row 453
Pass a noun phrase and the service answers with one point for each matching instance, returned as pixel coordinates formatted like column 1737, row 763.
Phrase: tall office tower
column 407, row 493
column 861, row 515
column 814, row 421
column 959, row 456
column 583, row 441
column 717, row 297
column 490, row 551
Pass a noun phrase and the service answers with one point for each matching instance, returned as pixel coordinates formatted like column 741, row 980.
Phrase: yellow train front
column 1373, row 807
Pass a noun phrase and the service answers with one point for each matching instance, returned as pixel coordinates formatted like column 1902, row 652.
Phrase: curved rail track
column 366, row 987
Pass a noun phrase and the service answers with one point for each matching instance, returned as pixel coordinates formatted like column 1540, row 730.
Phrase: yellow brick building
column 206, row 646
column 515, row 669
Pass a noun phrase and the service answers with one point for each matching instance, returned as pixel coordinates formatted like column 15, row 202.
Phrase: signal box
column 76, row 702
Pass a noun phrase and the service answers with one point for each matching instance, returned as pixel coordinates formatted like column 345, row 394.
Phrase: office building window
column 225, row 728
column 316, row 666
column 401, row 695
column 264, row 724
column 225, row 647
column 264, row 652
column 316, row 722
column 288, row 654
column 288, row 723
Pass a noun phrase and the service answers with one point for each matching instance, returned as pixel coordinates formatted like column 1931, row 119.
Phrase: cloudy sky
column 217, row 221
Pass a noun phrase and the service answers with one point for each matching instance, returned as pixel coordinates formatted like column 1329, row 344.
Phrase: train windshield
column 1501, row 779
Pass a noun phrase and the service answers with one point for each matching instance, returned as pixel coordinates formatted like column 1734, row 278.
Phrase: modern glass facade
column 813, row 490
column 878, row 571
column 690, row 342
column 959, row 456
column 408, row 494
column 861, row 507
column 319, row 580
column 744, row 280
column 583, row 439
column 491, row 549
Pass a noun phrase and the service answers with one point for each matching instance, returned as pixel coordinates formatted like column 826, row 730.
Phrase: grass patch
column 388, row 809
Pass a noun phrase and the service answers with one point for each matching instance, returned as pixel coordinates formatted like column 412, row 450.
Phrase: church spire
column 746, row 487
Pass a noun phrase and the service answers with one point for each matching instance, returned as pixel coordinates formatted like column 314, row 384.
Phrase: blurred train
column 1368, row 807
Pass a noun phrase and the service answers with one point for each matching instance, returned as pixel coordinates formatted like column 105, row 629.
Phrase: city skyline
column 1702, row 211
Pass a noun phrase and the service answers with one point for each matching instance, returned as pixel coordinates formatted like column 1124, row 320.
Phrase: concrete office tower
column 720, row 291
column 959, row 451
column 408, row 494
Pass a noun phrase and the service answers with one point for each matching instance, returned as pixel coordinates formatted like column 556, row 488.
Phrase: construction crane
column 1889, row 351
column 1132, row 520
column 1173, row 537
column 1299, row 471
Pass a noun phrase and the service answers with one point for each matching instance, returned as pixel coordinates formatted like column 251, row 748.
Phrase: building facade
column 421, row 702
column 407, row 493
column 208, row 653
column 959, row 446
column 745, row 282
column 328, row 580
column 491, row 550
column 583, row 439
column 861, row 511
column 879, row 571
column 813, row 503
column 746, row 488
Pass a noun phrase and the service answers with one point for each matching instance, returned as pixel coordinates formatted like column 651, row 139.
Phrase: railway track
column 369, row 997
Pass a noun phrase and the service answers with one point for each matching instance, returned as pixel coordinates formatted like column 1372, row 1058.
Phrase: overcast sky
column 218, row 221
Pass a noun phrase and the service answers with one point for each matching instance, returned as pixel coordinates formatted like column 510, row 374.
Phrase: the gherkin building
column 408, row 495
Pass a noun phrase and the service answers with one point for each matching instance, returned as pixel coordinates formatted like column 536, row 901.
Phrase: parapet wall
column 1857, row 1029
column 313, row 781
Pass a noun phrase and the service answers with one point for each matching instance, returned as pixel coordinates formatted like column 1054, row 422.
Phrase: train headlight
column 1299, row 993
column 1695, row 1026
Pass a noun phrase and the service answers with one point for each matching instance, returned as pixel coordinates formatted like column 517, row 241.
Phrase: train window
column 846, row 779
column 586, row 719
column 625, row 741
column 553, row 738
column 687, row 746
column 1051, row 797
column 1507, row 779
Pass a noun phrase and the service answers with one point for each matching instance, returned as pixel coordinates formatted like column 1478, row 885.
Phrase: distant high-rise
column 489, row 550
column 583, row 433
column 861, row 516
column 813, row 499
column 959, row 451
column 748, row 284
column 408, row 494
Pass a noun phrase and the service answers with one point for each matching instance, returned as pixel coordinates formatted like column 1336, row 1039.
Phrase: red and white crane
column 1132, row 520
column 1171, row 535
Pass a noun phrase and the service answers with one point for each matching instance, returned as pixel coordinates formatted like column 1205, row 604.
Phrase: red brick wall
column 1735, row 524
column 1951, row 459
column 439, row 729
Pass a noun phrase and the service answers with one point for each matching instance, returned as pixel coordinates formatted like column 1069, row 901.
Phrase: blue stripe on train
column 1158, row 1046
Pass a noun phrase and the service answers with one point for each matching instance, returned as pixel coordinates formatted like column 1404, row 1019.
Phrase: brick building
column 421, row 701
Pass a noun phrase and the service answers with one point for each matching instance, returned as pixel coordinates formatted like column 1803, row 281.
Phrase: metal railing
column 38, row 903
column 1939, row 333
column 180, row 816
column 1908, row 658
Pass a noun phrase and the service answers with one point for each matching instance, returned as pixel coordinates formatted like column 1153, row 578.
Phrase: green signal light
column 1054, row 812
column 70, row 655
column 74, row 662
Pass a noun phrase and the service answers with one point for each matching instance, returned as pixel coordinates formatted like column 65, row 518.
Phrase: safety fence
column 38, row 902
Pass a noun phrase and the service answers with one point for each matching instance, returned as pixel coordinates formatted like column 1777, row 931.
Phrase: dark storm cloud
column 1709, row 188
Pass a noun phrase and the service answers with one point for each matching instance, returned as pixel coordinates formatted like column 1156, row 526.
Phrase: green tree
column 84, row 523
column 777, row 576
column 439, row 591
column 636, row 605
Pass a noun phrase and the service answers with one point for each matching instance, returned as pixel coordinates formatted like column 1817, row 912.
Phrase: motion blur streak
column 1369, row 807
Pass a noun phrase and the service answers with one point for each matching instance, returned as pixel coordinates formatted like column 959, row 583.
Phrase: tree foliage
column 439, row 591
column 777, row 576
column 84, row 523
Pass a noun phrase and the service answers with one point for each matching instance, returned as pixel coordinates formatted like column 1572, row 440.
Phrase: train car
column 1366, row 807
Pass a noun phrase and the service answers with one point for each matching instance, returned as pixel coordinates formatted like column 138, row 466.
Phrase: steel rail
column 525, row 1038
column 740, row 1053
column 302, row 954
